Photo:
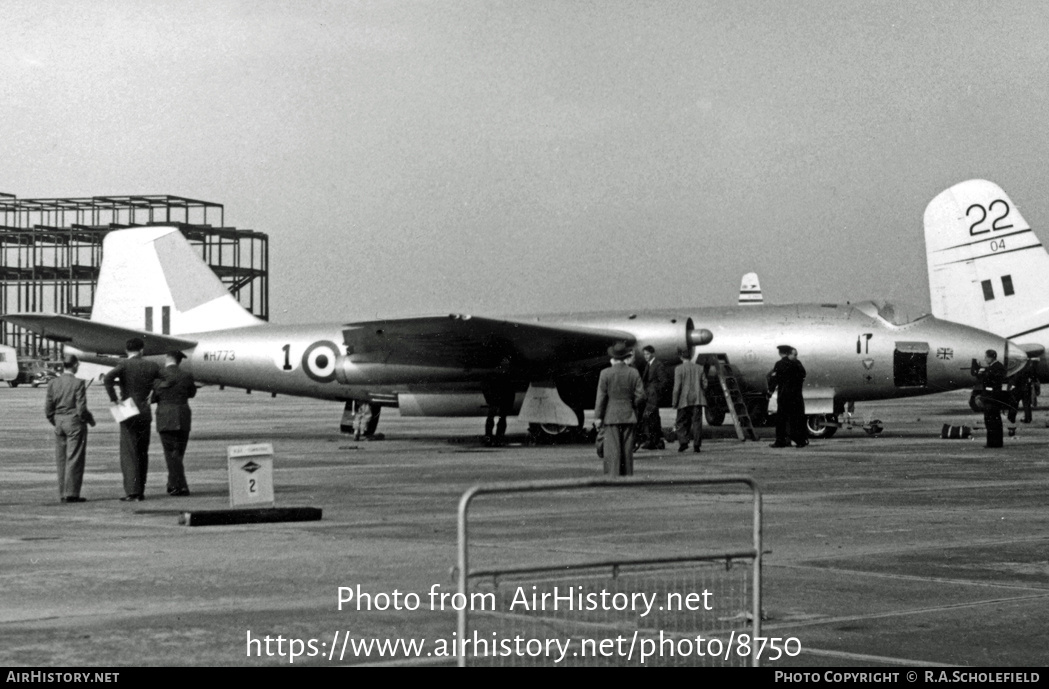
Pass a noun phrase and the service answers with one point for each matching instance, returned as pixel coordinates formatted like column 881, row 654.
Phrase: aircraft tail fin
column 987, row 269
column 153, row 280
column 750, row 290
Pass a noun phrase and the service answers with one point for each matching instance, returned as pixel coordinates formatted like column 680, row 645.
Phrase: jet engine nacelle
column 669, row 335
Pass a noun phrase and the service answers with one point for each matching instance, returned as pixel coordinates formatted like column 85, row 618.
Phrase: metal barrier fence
column 590, row 612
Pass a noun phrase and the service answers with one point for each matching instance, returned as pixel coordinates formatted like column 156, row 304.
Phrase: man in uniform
column 655, row 381
column 689, row 400
column 66, row 410
column 787, row 378
column 619, row 392
column 136, row 377
column 172, row 394
column 991, row 375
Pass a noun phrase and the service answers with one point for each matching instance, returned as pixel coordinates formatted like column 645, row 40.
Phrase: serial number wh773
column 220, row 355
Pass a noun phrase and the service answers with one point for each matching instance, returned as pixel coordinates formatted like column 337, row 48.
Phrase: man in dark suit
column 655, row 381
column 171, row 393
column 498, row 391
column 619, row 392
column 136, row 377
column 66, row 410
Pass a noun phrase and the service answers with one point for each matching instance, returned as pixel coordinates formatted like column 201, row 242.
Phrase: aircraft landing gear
column 822, row 425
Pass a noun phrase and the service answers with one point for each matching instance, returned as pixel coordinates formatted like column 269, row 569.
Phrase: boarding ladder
column 737, row 407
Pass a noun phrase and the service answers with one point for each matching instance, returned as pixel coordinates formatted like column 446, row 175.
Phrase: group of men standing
column 143, row 382
column 624, row 395
column 627, row 407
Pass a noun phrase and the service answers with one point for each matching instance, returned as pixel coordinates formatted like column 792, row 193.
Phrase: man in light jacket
column 66, row 410
column 689, row 400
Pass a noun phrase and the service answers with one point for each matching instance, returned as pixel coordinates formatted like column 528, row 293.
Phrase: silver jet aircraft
column 153, row 285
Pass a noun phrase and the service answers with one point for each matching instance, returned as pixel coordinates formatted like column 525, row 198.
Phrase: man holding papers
column 136, row 377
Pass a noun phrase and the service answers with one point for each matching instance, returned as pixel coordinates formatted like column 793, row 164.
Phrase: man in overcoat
column 787, row 382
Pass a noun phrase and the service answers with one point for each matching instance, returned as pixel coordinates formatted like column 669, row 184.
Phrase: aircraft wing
column 474, row 342
column 91, row 336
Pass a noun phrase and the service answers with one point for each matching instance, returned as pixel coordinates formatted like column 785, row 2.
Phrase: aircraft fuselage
column 849, row 354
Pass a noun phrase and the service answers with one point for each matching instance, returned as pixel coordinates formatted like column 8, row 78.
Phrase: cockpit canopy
column 892, row 313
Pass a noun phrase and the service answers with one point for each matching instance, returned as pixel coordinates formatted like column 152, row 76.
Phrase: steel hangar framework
column 51, row 251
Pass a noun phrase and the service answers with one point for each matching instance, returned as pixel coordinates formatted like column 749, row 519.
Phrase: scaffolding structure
column 51, row 251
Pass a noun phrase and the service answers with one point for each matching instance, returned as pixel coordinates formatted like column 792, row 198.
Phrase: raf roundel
column 318, row 361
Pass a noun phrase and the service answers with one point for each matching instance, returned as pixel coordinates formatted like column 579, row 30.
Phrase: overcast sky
column 412, row 158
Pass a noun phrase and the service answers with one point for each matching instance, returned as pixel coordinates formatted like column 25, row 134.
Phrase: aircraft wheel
column 817, row 425
column 976, row 403
column 715, row 417
column 12, row 384
column 557, row 429
column 545, row 433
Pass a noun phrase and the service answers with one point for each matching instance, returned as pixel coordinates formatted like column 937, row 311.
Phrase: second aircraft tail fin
column 987, row 269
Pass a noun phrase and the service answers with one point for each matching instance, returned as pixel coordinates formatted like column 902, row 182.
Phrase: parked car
column 33, row 372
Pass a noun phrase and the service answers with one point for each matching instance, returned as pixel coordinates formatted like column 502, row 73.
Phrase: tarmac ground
column 895, row 550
